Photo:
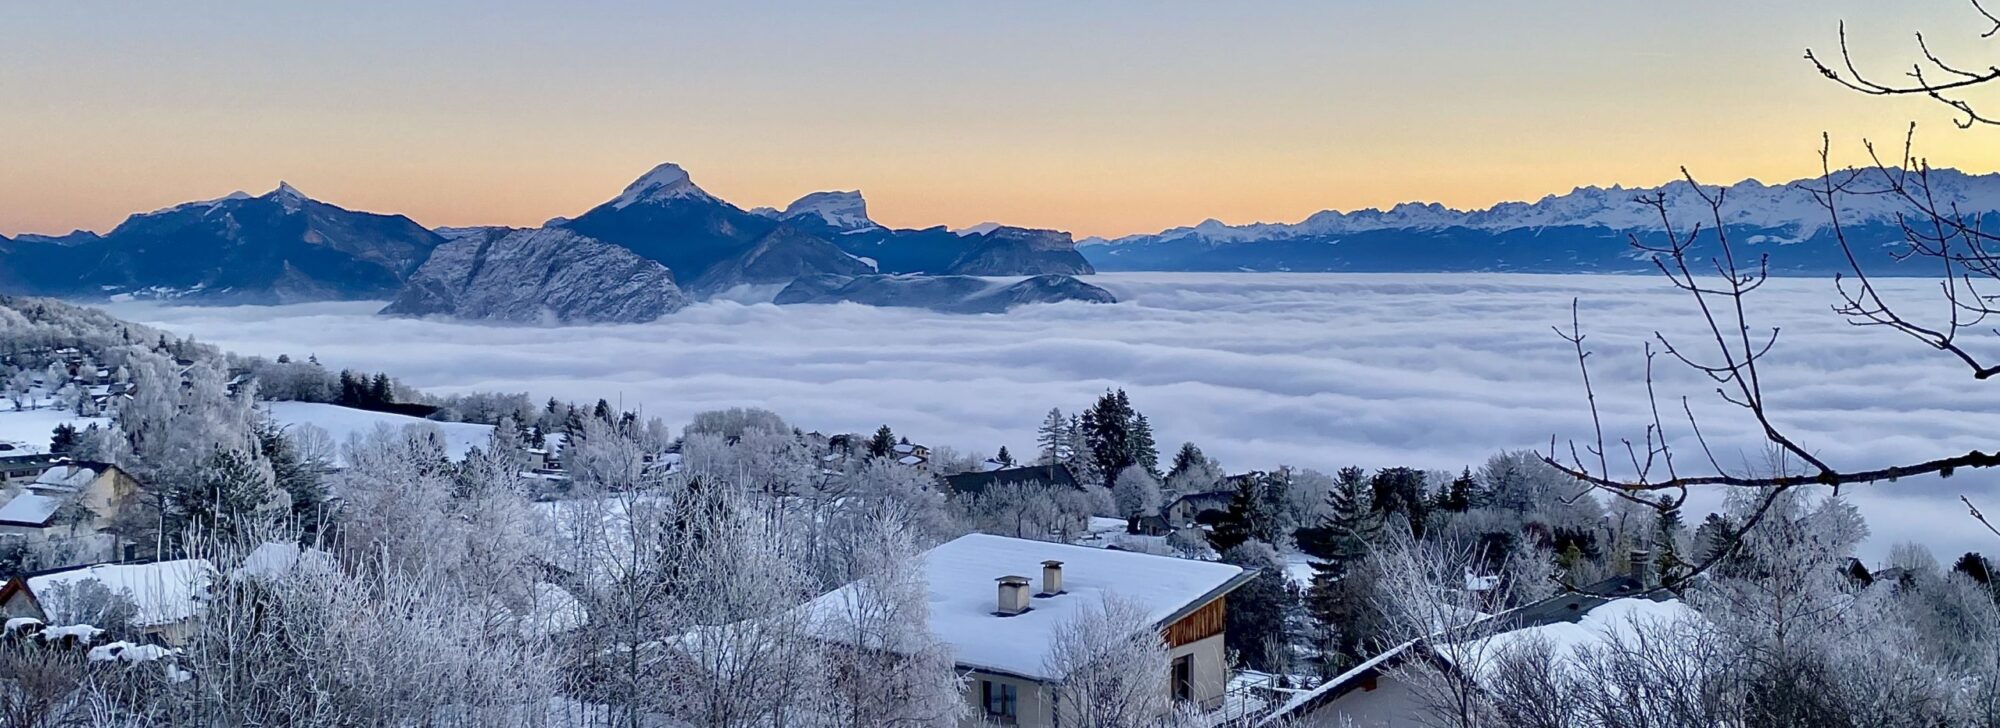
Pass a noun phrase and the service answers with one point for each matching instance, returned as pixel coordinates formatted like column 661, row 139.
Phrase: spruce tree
column 1052, row 438
column 1144, row 452
column 1236, row 526
column 1004, row 457
column 381, row 391
column 63, row 442
column 883, row 443
column 1667, row 539
column 1339, row 598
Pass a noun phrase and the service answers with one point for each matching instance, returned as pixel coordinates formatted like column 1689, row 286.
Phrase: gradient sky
column 1100, row 118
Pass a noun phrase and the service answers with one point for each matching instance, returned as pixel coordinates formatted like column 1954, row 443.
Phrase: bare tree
column 1720, row 277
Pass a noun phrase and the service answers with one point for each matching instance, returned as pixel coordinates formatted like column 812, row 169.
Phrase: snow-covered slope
column 542, row 275
column 840, row 210
column 344, row 422
column 27, row 432
column 664, row 182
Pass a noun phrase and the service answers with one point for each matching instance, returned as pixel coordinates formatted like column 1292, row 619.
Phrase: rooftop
column 961, row 576
column 165, row 591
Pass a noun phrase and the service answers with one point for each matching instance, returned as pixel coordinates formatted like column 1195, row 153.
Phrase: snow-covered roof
column 1616, row 618
column 30, row 509
column 909, row 460
column 165, row 591
column 963, row 600
column 66, row 477
column 902, row 448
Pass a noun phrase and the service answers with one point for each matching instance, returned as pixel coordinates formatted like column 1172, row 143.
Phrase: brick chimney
column 1013, row 595
column 1051, row 578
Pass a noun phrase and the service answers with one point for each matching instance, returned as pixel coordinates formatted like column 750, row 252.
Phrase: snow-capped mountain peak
column 1788, row 206
column 665, row 182
column 204, row 204
column 842, row 209
column 288, row 196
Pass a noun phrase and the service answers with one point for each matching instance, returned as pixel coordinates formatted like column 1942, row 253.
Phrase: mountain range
column 664, row 241
column 660, row 243
column 1588, row 230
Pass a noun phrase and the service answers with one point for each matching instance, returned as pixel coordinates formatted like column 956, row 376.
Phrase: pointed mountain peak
column 288, row 196
column 665, row 182
column 842, row 209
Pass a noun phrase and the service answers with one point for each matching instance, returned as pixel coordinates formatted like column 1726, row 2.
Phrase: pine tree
column 1400, row 491
column 232, row 492
column 1667, row 539
column 1187, row 457
column 300, row 480
column 1457, row 496
column 1339, row 546
column 1236, row 526
column 1052, row 438
column 1107, row 428
column 1144, row 452
column 64, row 440
column 602, row 411
column 350, row 390
column 1004, row 457
column 1975, row 567
column 381, row 391
column 883, row 443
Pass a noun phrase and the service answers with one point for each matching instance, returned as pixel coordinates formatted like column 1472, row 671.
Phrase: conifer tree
column 63, row 442
column 883, row 443
column 1052, row 438
column 1339, row 546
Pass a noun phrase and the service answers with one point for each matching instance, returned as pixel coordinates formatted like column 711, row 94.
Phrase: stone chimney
column 1051, row 578
column 1641, row 567
column 1013, row 595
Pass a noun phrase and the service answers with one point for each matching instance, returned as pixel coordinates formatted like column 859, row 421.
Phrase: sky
column 1100, row 118
column 1426, row 371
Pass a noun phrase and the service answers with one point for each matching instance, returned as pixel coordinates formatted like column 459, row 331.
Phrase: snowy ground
column 343, row 422
column 28, row 431
column 1312, row 370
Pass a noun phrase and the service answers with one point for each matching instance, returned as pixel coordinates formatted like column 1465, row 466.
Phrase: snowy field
column 27, row 431
column 344, row 422
column 1313, row 370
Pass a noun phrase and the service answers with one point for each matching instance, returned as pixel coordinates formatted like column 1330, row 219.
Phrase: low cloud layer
column 1259, row 369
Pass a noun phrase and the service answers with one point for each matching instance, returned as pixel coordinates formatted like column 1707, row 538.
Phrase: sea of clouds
column 1310, row 370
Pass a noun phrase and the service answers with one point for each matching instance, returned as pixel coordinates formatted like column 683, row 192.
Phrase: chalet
column 1001, row 638
column 18, row 602
column 975, row 483
column 71, row 504
column 1370, row 696
column 171, row 596
column 1187, row 510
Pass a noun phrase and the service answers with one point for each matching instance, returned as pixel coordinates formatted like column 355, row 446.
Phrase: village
column 1047, row 546
column 166, row 505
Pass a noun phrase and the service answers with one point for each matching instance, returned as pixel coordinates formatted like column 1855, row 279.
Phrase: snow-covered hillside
column 344, row 422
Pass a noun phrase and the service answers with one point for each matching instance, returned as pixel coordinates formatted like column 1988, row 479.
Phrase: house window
column 1001, row 699
column 1184, row 678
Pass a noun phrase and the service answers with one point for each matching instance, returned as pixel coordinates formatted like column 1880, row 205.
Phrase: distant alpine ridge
column 664, row 242
column 1588, row 230
column 658, row 245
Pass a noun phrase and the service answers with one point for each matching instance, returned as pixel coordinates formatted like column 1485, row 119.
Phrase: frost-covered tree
column 1136, row 492
column 1110, row 657
column 1192, row 471
column 1052, row 439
